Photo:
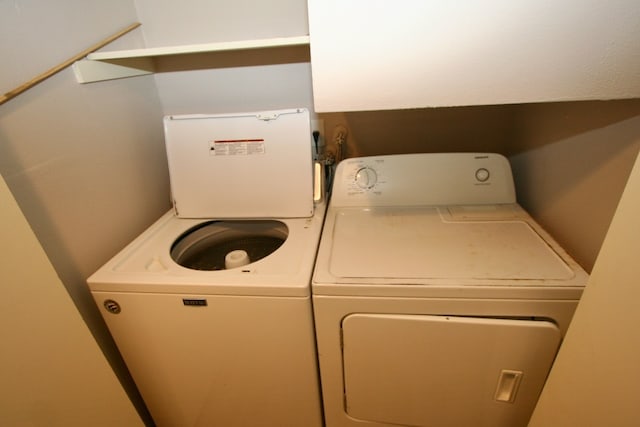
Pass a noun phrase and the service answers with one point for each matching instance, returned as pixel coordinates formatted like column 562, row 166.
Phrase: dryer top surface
column 447, row 221
column 433, row 243
column 484, row 250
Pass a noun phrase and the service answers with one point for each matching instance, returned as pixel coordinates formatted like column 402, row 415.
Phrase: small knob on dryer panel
column 366, row 177
column 482, row 174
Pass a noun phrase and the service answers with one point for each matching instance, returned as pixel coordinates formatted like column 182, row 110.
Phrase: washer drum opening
column 206, row 246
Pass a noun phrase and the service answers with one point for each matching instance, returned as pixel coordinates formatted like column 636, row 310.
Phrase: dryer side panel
column 438, row 371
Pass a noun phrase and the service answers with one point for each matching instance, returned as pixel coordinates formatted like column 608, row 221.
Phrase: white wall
column 35, row 36
column 248, row 81
column 384, row 54
column 86, row 163
column 53, row 372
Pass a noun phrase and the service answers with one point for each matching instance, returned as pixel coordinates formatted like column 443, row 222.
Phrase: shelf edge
column 201, row 48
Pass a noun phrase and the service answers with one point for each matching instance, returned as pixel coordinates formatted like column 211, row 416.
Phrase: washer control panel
column 423, row 179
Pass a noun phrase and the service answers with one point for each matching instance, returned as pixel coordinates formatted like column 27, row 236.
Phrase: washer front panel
column 207, row 364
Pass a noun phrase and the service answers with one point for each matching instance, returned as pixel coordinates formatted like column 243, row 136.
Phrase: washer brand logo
column 196, row 302
column 112, row 306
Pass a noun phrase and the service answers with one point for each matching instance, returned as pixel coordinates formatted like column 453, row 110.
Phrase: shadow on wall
column 537, row 125
column 232, row 59
column 571, row 162
column 505, row 129
column 453, row 129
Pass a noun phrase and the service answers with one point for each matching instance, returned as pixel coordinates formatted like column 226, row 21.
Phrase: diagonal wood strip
column 41, row 77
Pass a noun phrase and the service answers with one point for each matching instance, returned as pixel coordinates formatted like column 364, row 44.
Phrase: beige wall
column 53, row 372
column 571, row 162
column 485, row 128
column 595, row 380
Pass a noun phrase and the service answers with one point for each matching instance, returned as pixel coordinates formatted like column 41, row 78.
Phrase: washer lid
column 248, row 165
column 418, row 243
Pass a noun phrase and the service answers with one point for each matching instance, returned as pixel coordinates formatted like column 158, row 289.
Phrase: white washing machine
column 211, row 306
column 438, row 301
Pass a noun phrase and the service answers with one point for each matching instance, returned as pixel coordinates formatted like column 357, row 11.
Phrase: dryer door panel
column 438, row 371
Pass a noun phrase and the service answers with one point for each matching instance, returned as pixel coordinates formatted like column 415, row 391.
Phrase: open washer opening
column 220, row 245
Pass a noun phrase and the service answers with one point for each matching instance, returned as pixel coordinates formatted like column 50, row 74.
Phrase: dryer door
column 438, row 371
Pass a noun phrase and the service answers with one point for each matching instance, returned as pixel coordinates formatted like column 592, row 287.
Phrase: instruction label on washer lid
column 236, row 147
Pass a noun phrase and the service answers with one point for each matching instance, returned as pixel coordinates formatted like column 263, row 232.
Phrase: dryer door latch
column 508, row 384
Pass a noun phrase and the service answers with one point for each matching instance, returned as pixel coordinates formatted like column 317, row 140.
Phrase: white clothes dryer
column 438, row 300
column 211, row 306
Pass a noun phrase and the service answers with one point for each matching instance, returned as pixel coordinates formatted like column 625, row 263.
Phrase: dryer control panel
column 423, row 180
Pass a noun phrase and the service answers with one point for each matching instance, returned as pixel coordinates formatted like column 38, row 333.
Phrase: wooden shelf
column 100, row 66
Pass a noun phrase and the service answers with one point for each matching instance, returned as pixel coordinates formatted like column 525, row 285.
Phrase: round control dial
column 366, row 177
column 482, row 174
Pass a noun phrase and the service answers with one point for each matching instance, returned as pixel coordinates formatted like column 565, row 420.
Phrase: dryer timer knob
column 366, row 177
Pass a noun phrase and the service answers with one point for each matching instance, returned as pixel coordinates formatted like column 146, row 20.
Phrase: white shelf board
column 89, row 71
column 201, row 48
column 99, row 66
